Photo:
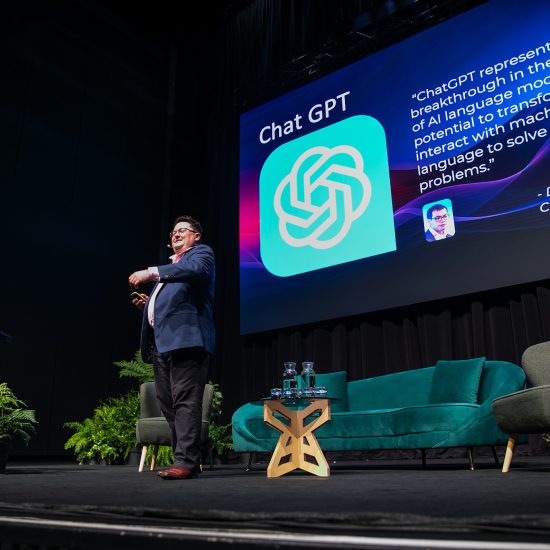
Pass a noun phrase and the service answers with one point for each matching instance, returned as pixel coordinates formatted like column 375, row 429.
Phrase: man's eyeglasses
column 180, row 231
column 439, row 218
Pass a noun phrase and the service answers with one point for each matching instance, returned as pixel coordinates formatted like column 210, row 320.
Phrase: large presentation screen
column 418, row 173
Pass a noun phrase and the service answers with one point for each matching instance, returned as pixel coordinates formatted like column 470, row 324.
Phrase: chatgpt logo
column 325, row 199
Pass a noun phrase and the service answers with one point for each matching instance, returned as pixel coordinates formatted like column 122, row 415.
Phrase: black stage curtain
column 260, row 40
column 82, row 127
column 116, row 120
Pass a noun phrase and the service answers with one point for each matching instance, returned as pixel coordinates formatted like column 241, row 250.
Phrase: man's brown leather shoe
column 177, row 472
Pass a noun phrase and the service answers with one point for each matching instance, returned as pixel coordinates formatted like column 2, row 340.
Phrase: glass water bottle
column 308, row 376
column 289, row 379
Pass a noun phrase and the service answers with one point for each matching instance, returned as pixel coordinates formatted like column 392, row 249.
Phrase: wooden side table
column 297, row 443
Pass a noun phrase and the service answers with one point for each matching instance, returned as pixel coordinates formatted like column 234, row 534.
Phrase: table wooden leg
column 297, row 442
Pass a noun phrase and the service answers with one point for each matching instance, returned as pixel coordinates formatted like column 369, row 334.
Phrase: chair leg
column 142, row 459
column 471, row 464
column 154, row 457
column 495, row 456
column 509, row 452
column 423, row 455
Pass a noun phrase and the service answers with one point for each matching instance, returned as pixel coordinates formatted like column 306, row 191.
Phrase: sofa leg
column 495, row 456
column 142, row 459
column 249, row 462
column 509, row 452
column 423, row 454
column 471, row 459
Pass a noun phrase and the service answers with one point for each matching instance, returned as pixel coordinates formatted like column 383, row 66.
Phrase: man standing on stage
column 178, row 337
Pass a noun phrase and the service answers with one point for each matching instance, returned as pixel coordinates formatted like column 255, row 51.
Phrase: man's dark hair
column 435, row 207
column 196, row 226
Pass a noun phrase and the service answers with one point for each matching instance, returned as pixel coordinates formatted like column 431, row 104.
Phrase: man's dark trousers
column 180, row 377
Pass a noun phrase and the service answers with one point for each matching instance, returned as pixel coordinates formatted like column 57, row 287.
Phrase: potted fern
column 109, row 435
column 16, row 421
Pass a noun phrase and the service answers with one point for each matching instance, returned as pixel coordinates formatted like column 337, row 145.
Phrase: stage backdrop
column 106, row 137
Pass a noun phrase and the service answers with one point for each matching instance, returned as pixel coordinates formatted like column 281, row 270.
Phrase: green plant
column 15, row 420
column 219, row 435
column 220, row 438
column 110, row 434
column 136, row 368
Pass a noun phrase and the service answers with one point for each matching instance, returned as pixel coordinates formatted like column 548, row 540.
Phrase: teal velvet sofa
column 446, row 405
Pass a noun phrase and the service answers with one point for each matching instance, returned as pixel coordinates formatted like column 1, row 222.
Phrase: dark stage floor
column 368, row 504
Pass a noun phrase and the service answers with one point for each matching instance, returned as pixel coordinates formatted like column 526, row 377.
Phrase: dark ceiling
column 350, row 30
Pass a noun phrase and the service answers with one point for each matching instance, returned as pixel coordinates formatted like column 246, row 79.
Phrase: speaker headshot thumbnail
column 438, row 220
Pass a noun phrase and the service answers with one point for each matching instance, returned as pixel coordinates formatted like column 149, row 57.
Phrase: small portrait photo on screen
column 438, row 220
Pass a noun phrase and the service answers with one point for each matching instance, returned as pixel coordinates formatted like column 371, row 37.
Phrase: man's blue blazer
column 183, row 306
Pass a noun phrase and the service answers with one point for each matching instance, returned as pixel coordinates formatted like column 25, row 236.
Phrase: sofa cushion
column 441, row 418
column 456, row 381
column 391, row 391
column 397, row 422
column 335, row 383
column 153, row 431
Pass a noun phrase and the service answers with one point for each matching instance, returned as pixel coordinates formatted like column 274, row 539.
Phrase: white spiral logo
column 299, row 187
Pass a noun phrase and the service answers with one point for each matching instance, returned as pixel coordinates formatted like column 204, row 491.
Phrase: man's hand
column 140, row 304
column 139, row 277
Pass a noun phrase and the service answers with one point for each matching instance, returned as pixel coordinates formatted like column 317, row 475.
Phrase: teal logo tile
column 325, row 199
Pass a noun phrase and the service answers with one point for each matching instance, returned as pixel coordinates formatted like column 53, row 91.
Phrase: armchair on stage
column 446, row 405
column 152, row 428
column 527, row 411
